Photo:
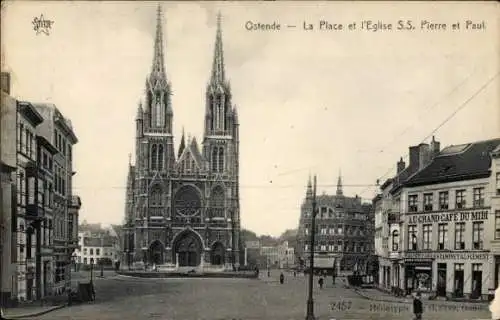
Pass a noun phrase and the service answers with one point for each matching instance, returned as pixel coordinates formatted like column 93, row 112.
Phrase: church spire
column 309, row 191
column 339, row 185
column 218, row 72
column 158, row 67
column 182, row 145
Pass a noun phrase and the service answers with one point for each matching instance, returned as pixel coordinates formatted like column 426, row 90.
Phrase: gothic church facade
column 183, row 208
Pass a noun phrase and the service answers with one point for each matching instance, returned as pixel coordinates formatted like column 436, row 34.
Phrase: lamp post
column 310, row 301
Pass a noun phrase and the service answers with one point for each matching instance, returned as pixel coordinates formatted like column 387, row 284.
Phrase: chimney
column 435, row 148
column 424, row 154
column 401, row 165
column 5, row 82
column 414, row 162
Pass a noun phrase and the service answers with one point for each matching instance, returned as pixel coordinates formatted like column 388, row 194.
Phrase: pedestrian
column 320, row 282
column 282, row 278
column 268, row 273
column 294, row 273
column 417, row 306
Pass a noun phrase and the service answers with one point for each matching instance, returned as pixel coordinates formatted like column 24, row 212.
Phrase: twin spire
column 218, row 69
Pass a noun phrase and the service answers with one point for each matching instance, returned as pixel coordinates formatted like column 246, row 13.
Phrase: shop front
column 455, row 275
column 418, row 275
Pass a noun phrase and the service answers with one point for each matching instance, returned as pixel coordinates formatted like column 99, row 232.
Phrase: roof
column 349, row 203
column 29, row 111
column 455, row 163
column 46, row 144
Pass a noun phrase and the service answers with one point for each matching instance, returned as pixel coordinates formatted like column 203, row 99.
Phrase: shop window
column 459, row 280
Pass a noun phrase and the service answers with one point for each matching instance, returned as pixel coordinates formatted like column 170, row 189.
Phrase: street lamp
column 310, row 301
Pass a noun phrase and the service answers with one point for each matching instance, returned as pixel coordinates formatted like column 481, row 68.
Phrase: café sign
column 448, row 255
column 449, row 217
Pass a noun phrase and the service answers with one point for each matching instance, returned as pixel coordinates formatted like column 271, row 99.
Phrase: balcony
column 394, row 218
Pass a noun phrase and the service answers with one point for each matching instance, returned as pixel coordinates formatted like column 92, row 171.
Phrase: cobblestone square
column 123, row 298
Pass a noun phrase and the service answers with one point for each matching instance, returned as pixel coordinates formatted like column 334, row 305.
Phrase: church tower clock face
column 187, row 202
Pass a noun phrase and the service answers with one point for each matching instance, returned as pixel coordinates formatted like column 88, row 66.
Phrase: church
column 182, row 208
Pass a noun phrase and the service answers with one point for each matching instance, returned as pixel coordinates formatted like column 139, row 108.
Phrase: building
column 437, row 240
column 183, row 208
column 343, row 238
column 494, row 191
column 280, row 256
column 28, row 216
column 96, row 246
column 61, row 223
column 8, row 163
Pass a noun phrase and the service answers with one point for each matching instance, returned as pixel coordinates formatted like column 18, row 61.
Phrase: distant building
column 96, row 245
column 280, row 256
column 344, row 235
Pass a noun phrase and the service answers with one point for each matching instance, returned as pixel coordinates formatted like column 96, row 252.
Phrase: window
column 339, row 230
column 442, row 236
column 498, row 183
column 427, row 233
column 477, row 235
column 91, row 251
column 443, row 200
column 221, row 160
column 84, row 251
column 323, row 230
column 395, row 240
column 154, row 157
column 459, row 236
column 412, row 203
column 428, row 202
column 97, row 251
column 160, row 157
column 478, row 197
column 412, row 237
column 214, row 159
column 156, row 198
column 460, row 199
column 497, row 224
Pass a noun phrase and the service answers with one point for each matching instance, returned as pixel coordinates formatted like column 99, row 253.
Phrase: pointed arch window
column 160, row 157
column 214, row 159
column 156, row 199
column 221, row 160
column 217, row 200
column 159, row 114
column 154, row 157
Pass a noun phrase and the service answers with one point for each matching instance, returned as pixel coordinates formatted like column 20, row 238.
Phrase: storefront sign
column 448, row 255
column 449, row 217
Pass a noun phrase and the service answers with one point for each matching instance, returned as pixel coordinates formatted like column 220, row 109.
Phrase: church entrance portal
column 156, row 252
column 188, row 248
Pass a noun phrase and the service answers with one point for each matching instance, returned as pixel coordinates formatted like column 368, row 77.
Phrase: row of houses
column 39, row 214
column 280, row 256
column 97, row 245
column 437, row 222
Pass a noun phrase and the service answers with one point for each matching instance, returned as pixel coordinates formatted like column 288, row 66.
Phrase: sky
column 309, row 101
